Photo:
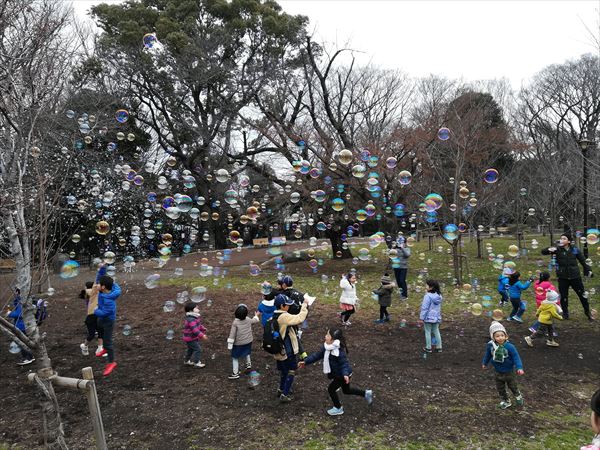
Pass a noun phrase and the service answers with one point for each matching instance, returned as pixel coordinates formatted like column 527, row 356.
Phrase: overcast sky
column 469, row 39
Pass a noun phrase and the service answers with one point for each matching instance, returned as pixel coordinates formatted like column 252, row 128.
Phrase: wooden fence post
column 94, row 406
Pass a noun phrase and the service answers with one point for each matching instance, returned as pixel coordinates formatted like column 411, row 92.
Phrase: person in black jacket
column 568, row 274
column 337, row 368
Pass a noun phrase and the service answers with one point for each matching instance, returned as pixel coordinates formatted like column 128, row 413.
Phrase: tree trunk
column 335, row 237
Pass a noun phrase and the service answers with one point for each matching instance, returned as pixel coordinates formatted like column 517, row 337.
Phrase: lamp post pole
column 584, row 144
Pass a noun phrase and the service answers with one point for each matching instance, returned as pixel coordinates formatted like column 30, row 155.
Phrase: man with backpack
column 281, row 332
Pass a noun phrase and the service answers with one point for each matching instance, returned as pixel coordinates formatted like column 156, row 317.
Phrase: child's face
column 197, row 310
column 595, row 421
column 328, row 338
column 563, row 241
column 499, row 337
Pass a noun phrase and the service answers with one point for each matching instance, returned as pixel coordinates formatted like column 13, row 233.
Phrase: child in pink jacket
column 542, row 286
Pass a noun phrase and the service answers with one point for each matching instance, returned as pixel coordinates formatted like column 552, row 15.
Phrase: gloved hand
column 590, row 274
column 230, row 344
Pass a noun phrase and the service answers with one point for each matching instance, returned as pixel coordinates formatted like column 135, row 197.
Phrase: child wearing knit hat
column 505, row 358
column 384, row 297
column 546, row 313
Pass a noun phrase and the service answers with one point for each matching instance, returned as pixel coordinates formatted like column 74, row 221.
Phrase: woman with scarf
column 337, row 368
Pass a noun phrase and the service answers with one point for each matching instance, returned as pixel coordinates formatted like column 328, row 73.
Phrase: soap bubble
column 490, row 176
column 184, row 203
column 513, row 251
column 363, row 254
column 443, row 134
column 109, row 257
column 476, row 309
column 391, row 162
column 337, row 204
column 170, row 335
column 70, row 269
column 359, row 171
column 13, row 348
column 70, row 114
column 345, row 157
column 169, row 306
column 404, row 177
column 151, row 281
column 451, row 232
column 198, row 294
column 253, row 379
column 102, row 227
column 222, row 176
column 464, row 192
column 75, row 238
column 361, row 215
column 126, row 330
column 149, row 40
column 254, row 269
column 122, row 115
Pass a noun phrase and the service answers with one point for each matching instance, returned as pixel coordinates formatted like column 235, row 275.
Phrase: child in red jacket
column 542, row 286
column 193, row 332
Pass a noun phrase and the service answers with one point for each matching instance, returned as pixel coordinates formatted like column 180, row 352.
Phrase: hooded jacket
column 514, row 291
column 431, row 308
column 566, row 262
column 340, row 367
column 287, row 331
column 107, row 303
column 17, row 314
column 348, row 292
column 547, row 312
column 266, row 308
column 385, row 294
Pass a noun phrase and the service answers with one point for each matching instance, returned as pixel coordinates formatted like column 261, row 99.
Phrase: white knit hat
column 495, row 327
column 552, row 296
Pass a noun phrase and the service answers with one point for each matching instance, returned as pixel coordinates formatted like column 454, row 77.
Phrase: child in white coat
column 348, row 299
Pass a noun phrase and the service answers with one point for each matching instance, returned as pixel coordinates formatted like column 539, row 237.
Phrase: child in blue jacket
column 505, row 358
column 106, row 312
column 337, row 368
column 515, row 287
column 266, row 308
column 503, row 287
column 17, row 316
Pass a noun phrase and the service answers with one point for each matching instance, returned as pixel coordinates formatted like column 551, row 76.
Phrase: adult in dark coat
column 567, row 271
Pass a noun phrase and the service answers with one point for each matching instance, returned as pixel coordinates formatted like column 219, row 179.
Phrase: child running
column 337, row 368
column 108, row 292
column 503, row 287
column 240, row 340
column 546, row 314
column 505, row 358
column 384, row 294
column 91, row 321
column 541, row 286
column 193, row 333
column 348, row 298
column 515, row 287
column 431, row 315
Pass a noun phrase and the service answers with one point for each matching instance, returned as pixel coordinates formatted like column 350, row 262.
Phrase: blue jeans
column 107, row 326
column 435, row 329
column 287, row 369
column 400, row 275
column 503, row 297
column 519, row 307
column 193, row 352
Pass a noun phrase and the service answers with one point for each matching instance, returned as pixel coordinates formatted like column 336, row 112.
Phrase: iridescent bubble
column 513, row 251
column 359, row 171
column 451, row 232
column 170, row 335
column 391, row 162
column 75, row 238
column 70, row 269
column 295, row 197
column 222, row 176
column 173, row 212
column 102, row 227
column 463, row 192
column 345, row 157
column 254, row 269
column 122, row 115
column 476, row 309
column 138, row 180
column 443, row 134
column 184, row 203
column 70, row 114
column 149, row 40
column 152, row 281
column 490, row 176
column 230, row 197
column 126, row 330
column 361, row 215
column 363, row 254
column 404, row 177
column 337, row 204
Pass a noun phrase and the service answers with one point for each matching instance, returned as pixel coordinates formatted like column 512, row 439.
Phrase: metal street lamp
column 584, row 144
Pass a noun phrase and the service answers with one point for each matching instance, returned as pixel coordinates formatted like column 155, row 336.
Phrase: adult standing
column 348, row 299
column 568, row 274
column 400, row 266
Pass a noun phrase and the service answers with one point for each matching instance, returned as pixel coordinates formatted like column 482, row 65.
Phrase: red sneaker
column 109, row 368
column 101, row 352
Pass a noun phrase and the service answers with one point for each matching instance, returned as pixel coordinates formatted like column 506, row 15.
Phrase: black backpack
column 272, row 342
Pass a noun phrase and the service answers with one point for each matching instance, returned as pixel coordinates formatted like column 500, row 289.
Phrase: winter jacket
column 17, row 314
column 266, row 308
column 511, row 361
column 287, row 331
column 192, row 328
column 401, row 259
column 431, row 308
column 541, row 288
column 385, row 294
column 566, row 262
column 241, row 331
column 546, row 312
column 107, row 303
column 292, row 293
column 502, row 283
column 595, row 445
column 348, row 292
column 514, row 291
column 92, row 302
column 340, row 366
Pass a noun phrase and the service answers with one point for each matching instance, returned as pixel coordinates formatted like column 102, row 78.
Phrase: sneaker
column 519, row 400
column 517, row 319
column 438, row 350
column 426, row 350
column 532, row 330
column 590, row 319
column 505, row 404
column 335, row 411
column 285, row 398
column 234, row 376
column 347, row 323
column 199, row 365
column 379, row 321
column 552, row 343
column 510, row 319
column 84, row 349
column 101, row 352
column 188, row 363
column 529, row 341
column 109, row 368
column 279, row 392
column 25, row 362
column 402, row 298
column 369, row 396
column 386, row 319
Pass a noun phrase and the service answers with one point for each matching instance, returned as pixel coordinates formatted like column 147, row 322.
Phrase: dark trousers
column 577, row 285
column 507, row 379
column 338, row 382
column 346, row 314
column 287, row 369
column 383, row 313
column 193, row 352
column 91, row 322
column 503, row 297
column 518, row 307
column 400, row 275
column 26, row 355
column 544, row 329
column 107, row 325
